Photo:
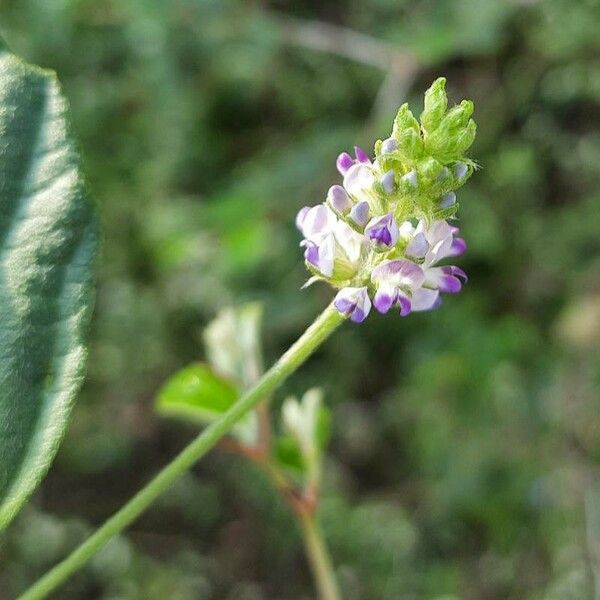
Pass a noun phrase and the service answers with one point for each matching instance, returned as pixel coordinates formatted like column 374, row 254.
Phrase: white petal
column 359, row 181
column 424, row 299
column 349, row 240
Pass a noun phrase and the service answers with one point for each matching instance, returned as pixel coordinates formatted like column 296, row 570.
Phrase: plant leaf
column 48, row 239
column 198, row 395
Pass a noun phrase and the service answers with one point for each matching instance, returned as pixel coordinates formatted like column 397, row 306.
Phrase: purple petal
column 344, row 162
column 381, row 235
column 311, row 254
column 345, row 306
column 383, row 230
column 317, row 222
column 384, row 300
column 458, row 247
column 405, row 304
column 358, row 316
column 449, row 284
column 354, row 303
column 456, row 272
column 321, row 256
column 360, row 213
column 361, row 155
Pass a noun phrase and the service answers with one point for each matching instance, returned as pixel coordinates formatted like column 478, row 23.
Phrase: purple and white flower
column 328, row 241
column 431, row 245
column 396, row 281
column 353, row 302
column 371, row 241
column 383, row 231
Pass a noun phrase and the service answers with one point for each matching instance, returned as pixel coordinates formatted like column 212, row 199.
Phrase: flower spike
column 382, row 237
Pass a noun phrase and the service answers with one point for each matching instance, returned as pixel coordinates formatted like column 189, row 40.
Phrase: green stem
column 308, row 342
column 318, row 557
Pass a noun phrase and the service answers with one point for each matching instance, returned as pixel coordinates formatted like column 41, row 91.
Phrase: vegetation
column 464, row 443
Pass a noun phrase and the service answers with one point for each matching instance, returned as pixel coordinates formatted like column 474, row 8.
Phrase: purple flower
column 383, row 231
column 396, row 281
column 322, row 255
column 431, row 245
column 446, row 279
column 353, row 302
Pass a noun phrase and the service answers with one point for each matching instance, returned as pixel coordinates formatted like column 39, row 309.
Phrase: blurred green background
column 466, row 442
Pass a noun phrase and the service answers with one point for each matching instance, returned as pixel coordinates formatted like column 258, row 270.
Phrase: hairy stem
column 318, row 558
column 308, row 342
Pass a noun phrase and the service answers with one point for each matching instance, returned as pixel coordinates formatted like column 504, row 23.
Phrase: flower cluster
column 380, row 236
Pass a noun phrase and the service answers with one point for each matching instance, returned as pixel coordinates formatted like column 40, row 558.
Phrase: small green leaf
column 48, row 235
column 197, row 395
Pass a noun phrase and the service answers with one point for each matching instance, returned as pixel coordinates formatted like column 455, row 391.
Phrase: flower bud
column 404, row 120
column 447, row 200
column 360, row 214
column 465, row 137
column 435, row 106
column 344, row 162
column 388, row 146
column 460, row 170
column 361, row 155
column 409, row 181
column 387, row 181
column 458, row 116
column 338, row 199
column 410, row 143
column 430, row 168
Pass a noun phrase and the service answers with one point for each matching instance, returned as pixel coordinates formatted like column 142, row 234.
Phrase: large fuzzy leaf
column 47, row 246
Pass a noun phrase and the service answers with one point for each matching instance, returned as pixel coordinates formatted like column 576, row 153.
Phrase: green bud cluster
column 428, row 155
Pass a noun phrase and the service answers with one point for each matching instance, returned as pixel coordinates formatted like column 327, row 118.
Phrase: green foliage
column 429, row 156
column 196, row 393
column 471, row 430
column 47, row 247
